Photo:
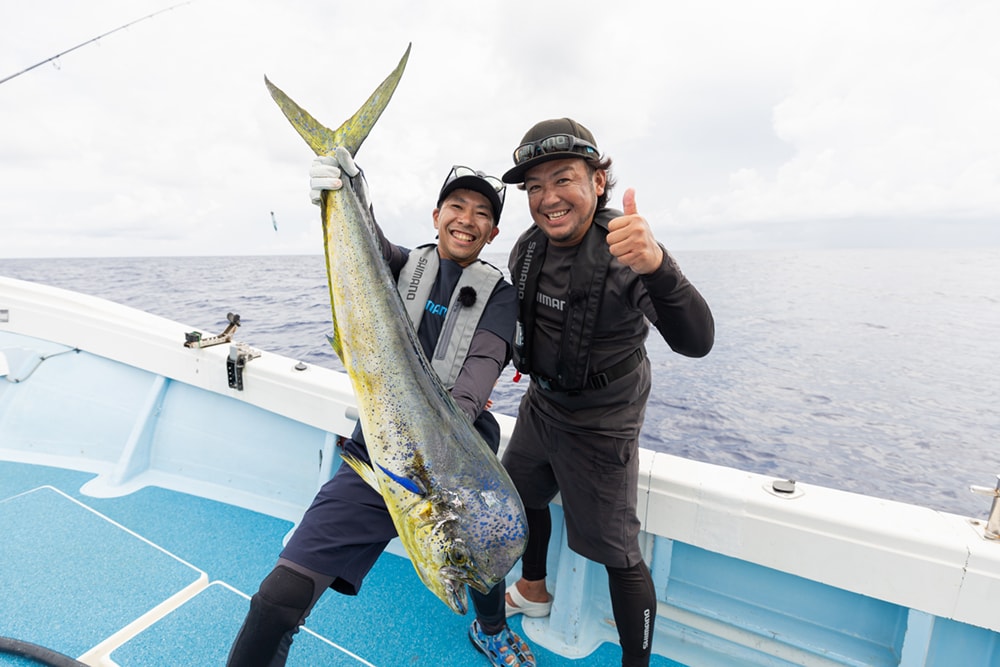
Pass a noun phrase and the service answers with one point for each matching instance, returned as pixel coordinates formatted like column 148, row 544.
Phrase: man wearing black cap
column 348, row 526
column 588, row 280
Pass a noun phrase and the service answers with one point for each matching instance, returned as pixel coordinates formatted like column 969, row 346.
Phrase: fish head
column 464, row 536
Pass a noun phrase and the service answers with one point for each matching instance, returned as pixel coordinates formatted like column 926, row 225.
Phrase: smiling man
column 589, row 279
column 464, row 312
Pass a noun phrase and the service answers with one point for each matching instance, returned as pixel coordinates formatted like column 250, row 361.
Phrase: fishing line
column 121, row 27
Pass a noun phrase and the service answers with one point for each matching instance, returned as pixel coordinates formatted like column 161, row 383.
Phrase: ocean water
column 874, row 371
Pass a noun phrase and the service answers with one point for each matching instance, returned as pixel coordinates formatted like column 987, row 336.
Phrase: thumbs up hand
column 631, row 240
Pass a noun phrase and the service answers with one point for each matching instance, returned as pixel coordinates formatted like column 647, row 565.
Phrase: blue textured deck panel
column 78, row 569
column 74, row 599
column 75, row 570
column 195, row 630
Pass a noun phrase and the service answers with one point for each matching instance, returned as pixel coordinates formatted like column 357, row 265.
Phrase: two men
column 589, row 280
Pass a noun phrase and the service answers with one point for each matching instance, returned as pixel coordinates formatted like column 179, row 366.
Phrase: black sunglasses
column 556, row 143
column 459, row 171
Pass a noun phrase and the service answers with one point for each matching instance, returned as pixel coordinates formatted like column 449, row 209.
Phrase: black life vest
column 583, row 303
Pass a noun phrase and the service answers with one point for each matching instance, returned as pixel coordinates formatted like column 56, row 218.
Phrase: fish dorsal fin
column 355, row 129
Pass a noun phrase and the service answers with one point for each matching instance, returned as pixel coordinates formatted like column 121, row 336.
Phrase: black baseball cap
column 554, row 139
column 467, row 178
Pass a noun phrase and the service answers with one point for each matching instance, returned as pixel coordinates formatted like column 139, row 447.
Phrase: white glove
column 346, row 161
column 325, row 172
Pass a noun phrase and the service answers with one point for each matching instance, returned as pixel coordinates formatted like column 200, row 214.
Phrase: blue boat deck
column 159, row 577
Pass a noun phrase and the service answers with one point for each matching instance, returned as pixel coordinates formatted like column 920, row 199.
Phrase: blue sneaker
column 505, row 649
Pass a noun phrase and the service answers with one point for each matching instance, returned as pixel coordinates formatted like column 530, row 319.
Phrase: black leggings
column 289, row 593
column 633, row 600
column 633, row 596
column 535, row 551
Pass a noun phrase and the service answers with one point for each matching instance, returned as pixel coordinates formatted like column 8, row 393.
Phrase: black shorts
column 596, row 475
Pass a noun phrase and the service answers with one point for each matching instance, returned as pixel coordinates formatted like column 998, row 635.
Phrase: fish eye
column 458, row 556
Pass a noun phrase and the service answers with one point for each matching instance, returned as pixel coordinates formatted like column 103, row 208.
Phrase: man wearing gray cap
column 589, row 280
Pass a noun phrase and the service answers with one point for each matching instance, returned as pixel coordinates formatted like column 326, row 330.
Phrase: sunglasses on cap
column 556, row 143
column 459, row 171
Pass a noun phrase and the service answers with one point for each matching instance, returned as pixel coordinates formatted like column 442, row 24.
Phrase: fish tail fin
column 350, row 135
column 355, row 129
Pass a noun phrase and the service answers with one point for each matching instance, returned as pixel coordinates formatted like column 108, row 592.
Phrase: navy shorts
column 345, row 530
column 596, row 475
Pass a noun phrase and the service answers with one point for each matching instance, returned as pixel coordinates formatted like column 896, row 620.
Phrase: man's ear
column 600, row 181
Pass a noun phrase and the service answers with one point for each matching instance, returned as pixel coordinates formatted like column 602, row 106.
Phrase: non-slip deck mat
column 229, row 543
column 71, row 577
column 16, row 478
column 394, row 621
column 201, row 632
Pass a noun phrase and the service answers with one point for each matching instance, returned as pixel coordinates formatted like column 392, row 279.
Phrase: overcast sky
column 763, row 124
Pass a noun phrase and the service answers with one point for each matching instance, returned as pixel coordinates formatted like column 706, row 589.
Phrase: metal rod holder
column 196, row 339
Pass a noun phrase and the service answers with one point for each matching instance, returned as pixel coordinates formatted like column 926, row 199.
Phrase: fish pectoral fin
column 365, row 471
column 411, row 485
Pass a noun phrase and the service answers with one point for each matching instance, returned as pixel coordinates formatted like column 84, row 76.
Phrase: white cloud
column 735, row 122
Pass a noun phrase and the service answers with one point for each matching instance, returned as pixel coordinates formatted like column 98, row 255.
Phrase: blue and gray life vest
column 414, row 284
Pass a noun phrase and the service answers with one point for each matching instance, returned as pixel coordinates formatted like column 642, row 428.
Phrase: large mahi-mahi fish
column 454, row 506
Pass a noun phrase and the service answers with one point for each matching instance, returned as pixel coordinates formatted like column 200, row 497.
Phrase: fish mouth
column 459, row 579
column 456, row 599
column 455, row 581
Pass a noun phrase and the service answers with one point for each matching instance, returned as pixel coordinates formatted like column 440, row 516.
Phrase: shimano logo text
column 546, row 300
column 411, row 289
column 523, row 278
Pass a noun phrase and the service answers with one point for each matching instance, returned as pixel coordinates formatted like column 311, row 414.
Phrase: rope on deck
column 46, row 656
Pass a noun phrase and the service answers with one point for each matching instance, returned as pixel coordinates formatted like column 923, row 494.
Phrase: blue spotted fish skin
column 455, row 508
